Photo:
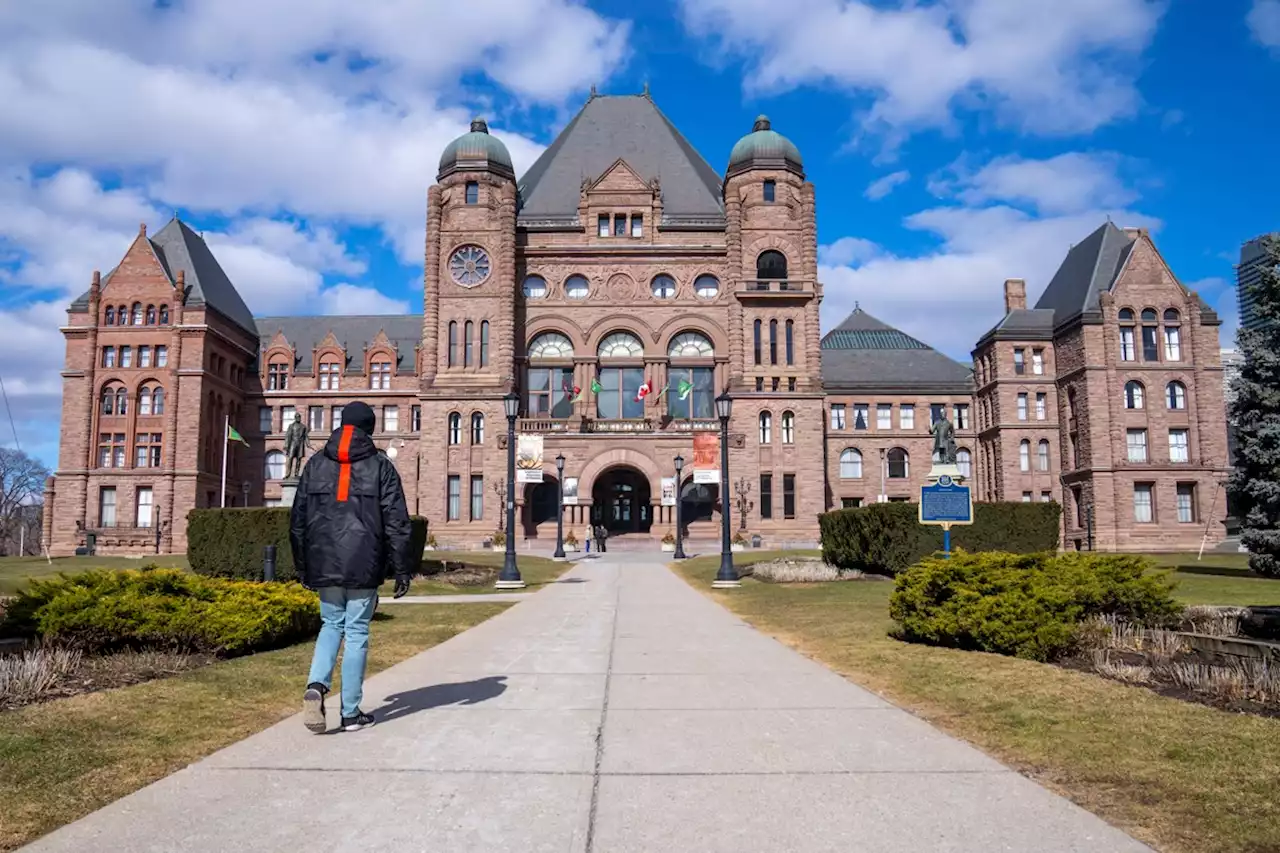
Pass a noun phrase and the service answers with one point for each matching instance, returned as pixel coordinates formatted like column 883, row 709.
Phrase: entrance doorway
column 620, row 501
column 698, row 501
column 541, row 500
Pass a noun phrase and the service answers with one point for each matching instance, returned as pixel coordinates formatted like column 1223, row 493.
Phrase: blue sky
column 953, row 143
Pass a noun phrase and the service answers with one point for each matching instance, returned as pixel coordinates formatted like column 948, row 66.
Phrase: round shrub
column 105, row 611
column 1024, row 605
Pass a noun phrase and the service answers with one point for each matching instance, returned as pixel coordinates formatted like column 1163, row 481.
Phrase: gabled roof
column 866, row 353
column 1089, row 268
column 353, row 333
column 1023, row 324
column 177, row 247
column 627, row 127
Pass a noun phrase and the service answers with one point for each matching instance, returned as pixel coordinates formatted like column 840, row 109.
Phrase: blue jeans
column 344, row 613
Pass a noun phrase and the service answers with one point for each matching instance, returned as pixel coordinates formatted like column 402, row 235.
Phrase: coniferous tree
column 1255, row 482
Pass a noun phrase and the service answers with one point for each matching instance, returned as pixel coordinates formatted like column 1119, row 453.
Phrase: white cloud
column 881, row 187
column 847, row 251
column 1062, row 184
column 1043, row 65
column 345, row 298
column 1264, row 23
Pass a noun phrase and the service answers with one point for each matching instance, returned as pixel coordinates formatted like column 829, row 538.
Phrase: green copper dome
column 478, row 151
column 765, row 148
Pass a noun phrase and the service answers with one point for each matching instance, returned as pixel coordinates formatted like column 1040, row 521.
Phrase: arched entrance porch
column 541, row 501
column 621, row 501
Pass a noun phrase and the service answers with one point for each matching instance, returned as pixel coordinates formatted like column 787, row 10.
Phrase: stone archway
column 619, row 456
column 621, row 501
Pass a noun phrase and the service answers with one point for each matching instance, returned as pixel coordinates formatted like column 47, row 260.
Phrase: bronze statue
column 944, row 441
column 295, row 448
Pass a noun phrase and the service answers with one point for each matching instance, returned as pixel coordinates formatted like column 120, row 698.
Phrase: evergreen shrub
column 886, row 538
column 228, row 543
column 161, row 609
column 1025, row 605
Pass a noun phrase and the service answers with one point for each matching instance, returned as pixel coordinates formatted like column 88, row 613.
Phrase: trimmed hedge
column 168, row 609
column 228, row 543
column 1025, row 605
column 886, row 538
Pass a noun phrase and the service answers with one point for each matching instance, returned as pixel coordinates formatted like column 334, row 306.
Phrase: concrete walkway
column 616, row 711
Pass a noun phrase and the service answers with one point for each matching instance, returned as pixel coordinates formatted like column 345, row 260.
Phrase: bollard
column 269, row 563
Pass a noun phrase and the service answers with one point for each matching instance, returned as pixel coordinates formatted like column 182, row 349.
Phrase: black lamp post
column 727, row 577
column 509, row 577
column 679, row 555
column 559, row 554
column 244, row 489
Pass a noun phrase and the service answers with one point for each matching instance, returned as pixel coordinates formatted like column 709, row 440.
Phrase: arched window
column 477, row 428
column 1148, row 315
column 850, row 464
column 766, row 428
column 484, row 343
column 1042, row 454
column 690, row 345
column 620, row 345
column 144, row 401
column 790, row 342
column 551, row 345
column 455, row 428
column 110, row 318
column 549, row 390
column 330, row 375
column 535, row 287
column 964, row 461
column 756, row 326
column 137, row 314
column 115, row 401
column 157, row 401
column 1177, row 394
column 151, row 315
column 122, row 316
column 164, row 315
column 773, row 341
column 1172, row 335
column 1133, row 395
column 899, row 464
column 467, row 331
column 576, row 287
column 273, row 465
column 788, row 428
column 453, row 344
column 277, row 375
column 1126, row 315
column 1150, row 347
column 706, row 286
column 1024, row 455
column 663, row 286
column 771, row 265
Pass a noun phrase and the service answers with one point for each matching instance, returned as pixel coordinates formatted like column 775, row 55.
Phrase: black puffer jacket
column 349, row 526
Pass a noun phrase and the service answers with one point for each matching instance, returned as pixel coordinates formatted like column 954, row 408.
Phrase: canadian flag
column 643, row 390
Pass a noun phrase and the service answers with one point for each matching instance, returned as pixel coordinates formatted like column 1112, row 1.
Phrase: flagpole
column 226, row 440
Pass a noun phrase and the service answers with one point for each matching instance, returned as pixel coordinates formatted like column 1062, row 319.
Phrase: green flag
column 596, row 387
column 232, row 435
column 684, row 387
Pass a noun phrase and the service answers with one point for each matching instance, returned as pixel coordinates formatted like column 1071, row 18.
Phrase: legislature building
column 619, row 286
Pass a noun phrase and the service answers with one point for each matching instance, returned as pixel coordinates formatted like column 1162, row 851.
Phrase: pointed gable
column 620, row 178
column 612, row 128
column 866, row 353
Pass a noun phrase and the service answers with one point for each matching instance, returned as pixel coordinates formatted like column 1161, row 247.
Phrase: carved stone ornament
column 621, row 287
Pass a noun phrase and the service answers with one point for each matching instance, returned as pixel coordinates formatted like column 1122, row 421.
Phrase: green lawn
column 1181, row 776
column 64, row 759
column 536, row 571
column 16, row 571
column 1219, row 579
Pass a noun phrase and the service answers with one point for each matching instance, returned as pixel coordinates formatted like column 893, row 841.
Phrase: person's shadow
column 401, row 705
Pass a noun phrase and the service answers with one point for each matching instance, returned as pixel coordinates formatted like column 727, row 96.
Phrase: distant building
column 1248, row 272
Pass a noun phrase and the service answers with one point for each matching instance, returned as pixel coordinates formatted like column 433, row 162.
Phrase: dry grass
column 798, row 571
column 1182, row 776
column 63, row 759
column 29, row 675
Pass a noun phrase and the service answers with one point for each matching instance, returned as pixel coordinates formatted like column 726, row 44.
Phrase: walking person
column 349, row 529
column 602, row 539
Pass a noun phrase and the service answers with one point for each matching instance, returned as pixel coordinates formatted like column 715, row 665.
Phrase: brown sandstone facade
column 598, row 267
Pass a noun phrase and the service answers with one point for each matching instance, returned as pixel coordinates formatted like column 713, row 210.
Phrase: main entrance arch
column 620, row 500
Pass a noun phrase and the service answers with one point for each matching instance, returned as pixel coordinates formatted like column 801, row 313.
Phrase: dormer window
column 473, row 192
column 770, row 191
column 277, row 376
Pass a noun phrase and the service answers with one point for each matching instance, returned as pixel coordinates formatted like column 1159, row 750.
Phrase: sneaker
column 313, row 708
column 360, row 721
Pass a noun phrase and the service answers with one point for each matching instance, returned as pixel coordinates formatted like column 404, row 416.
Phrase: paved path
column 616, row 711
column 479, row 598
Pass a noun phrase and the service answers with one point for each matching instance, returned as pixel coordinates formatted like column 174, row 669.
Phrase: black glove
column 402, row 587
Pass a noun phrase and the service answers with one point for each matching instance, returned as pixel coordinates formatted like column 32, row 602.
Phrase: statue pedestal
column 288, row 490
column 939, row 470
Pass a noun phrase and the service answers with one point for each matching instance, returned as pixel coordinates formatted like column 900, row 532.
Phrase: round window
column 576, row 287
column 706, row 286
column 469, row 265
column 535, row 287
column 664, row 287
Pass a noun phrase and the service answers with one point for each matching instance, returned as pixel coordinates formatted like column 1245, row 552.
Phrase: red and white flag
column 643, row 391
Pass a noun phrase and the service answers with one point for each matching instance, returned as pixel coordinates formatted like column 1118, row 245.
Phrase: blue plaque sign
column 945, row 503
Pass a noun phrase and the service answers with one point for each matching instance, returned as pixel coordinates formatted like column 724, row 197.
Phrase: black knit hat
column 358, row 415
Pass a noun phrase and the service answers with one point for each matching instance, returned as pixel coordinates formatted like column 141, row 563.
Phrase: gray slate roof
column 865, row 353
column 177, row 247
column 627, row 127
column 1028, row 323
column 353, row 332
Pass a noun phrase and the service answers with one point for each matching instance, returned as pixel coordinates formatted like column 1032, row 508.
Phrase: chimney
column 1015, row 294
column 142, row 229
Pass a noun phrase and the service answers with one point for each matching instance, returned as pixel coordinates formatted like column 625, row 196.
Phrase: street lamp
column 559, row 554
column 679, row 555
column 509, row 577
column 244, row 489
column 727, row 577
column 500, row 489
column 743, row 488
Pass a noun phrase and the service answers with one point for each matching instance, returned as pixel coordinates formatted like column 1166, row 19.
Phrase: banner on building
column 528, row 458
column 570, row 491
column 706, row 457
column 668, row 491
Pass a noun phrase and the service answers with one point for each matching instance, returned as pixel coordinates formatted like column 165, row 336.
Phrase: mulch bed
column 1174, row 691
column 112, row 671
